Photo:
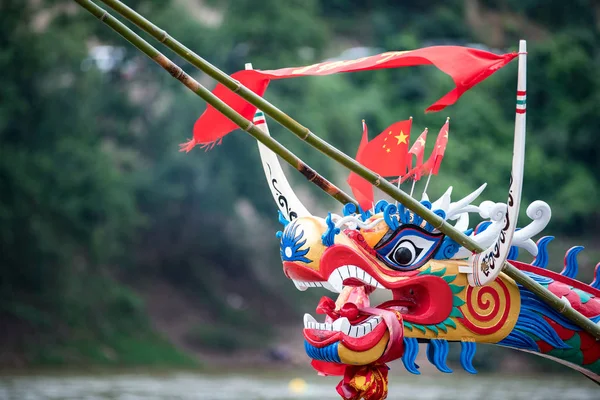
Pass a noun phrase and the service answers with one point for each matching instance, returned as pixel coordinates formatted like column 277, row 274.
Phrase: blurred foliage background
column 117, row 249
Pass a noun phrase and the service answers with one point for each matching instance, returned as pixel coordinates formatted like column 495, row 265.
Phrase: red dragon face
column 357, row 262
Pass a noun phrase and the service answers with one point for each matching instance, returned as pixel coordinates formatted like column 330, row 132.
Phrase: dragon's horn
column 487, row 265
column 289, row 204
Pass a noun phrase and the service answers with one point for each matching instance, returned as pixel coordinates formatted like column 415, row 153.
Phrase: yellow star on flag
column 388, row 150
column 446, row 134
column 401, row 138
column 422, row 141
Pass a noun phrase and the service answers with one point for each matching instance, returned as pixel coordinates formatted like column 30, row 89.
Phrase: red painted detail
column 590, row 309
column 587, row 341
column 360, row 240
column 338, row 255
column 557, row 277
column 328, row 368
column 521, row 111
column 521, row 92
column 494, row 313
column 432, row 299
column 562, row 332
column 591, row 351
column 485, row 304
column 544, row 347
column 300, row 272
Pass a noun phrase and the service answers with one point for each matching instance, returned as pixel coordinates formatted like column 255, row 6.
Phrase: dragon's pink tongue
column 351, row 294
column 357, row 296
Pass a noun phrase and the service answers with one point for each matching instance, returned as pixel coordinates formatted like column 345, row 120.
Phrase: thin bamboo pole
column 213, row 100
column 348, row 162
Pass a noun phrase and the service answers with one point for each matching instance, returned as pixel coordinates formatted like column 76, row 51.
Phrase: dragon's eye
column 405, row 253
column 408, row 248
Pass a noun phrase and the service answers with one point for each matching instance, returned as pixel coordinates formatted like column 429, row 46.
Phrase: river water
column 283, row 385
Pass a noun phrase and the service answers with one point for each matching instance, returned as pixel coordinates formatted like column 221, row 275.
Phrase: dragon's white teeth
column 345, row 272
column 338, row 276
column 365, row 328
column 309, row 319
column 302, row 285
column 299, row 285
column 352, row 269
column 329, row 287
column 342, row 325
column 335, row 280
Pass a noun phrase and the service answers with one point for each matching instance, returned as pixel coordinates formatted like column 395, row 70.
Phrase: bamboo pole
column 306, row 135
column 213, row 100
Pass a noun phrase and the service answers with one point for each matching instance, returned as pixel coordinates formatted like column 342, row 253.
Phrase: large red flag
column 387, row 154
column 432, row 165
column 466, row 66
column 361, row 188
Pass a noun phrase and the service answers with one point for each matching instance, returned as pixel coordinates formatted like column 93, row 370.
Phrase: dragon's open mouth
column 351, row 321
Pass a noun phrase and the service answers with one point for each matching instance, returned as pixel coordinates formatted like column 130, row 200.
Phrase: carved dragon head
column 421, row 271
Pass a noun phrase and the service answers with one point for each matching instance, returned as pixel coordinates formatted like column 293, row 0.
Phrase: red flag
column 466, row 66
column 418, row 150
column 361, row 188
column 387, row 154
column 432, row 165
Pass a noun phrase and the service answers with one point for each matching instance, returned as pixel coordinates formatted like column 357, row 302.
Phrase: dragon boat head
column 420, row 272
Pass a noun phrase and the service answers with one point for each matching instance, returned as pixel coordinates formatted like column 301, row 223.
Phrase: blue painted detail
column 437, row 352
column 448, row 249
column 411, row 350
column 404, row 214
column 596, row 282
column 282, row 219
column 519, row 340
column 417, row 220
column 596, row 319
column 426, row 204
column 533, row 303
column 439, row 213
column 329, row 236
column 469, row 231
column 422, row 245
column 389, row 216
column 327, row 353
column 571, row 266
column 530, row 321
column 467, row 352
column 380, row 206
column 349, row 209
column 291, row 242
column 542, row 280
column 365, row 215
column 513, row 253
column 541, row 260
column 482, row 227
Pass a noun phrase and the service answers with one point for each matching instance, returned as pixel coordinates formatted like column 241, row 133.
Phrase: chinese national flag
column 361, row 188
column 387, row 154
column 418, row 150
column 432, row 165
